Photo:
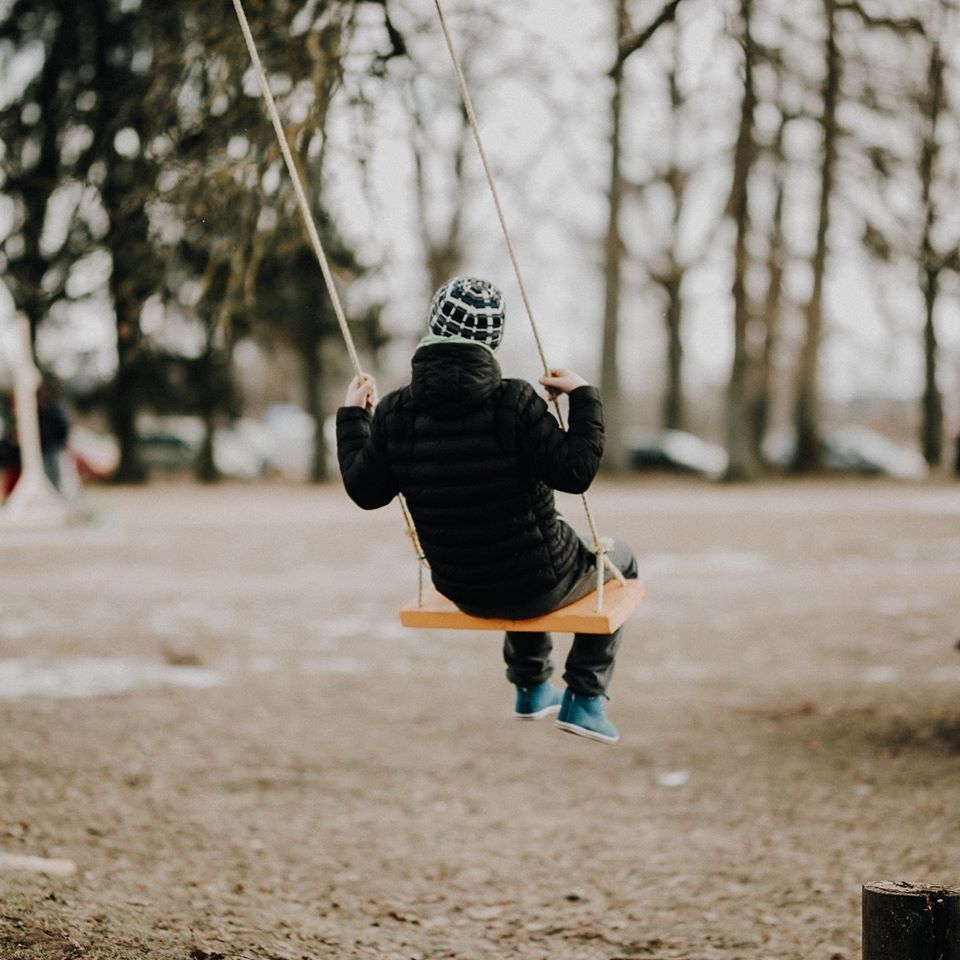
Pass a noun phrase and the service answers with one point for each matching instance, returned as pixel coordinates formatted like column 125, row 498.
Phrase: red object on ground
column 10, row 477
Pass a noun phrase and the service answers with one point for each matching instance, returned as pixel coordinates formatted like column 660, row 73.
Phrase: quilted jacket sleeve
column 565, row 460
column 366, row 474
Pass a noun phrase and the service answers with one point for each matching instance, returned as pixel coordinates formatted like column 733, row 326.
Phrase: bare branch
column 896, row 24
column 398, row 44
column 950, row 261
column 632, row 44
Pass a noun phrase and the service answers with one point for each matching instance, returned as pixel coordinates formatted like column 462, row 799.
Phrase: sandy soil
column 333, row 786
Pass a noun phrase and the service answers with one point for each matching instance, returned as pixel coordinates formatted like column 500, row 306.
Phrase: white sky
column 873, row 344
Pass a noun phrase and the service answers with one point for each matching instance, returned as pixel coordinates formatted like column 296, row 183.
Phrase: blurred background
column 736, row 216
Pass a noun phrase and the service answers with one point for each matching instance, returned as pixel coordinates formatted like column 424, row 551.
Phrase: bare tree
column 934, row 257
column 629, row 42
column 808, row 454
column 615, row 459
column 930, row 262
column 742, row 462
column 255, row 272
column 771, row 309
column 916, row 236
column 670, row 262
column 84, row 123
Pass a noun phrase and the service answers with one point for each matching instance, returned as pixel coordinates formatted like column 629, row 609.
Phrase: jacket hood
column 449, row 379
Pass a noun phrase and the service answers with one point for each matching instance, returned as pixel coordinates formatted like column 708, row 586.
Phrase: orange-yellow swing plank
column 619, row 602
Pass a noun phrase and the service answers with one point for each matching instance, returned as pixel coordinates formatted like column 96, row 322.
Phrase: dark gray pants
column 589, row 664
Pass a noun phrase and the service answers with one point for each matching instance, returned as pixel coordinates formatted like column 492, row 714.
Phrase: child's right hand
column 362, row 392
column 561, row 381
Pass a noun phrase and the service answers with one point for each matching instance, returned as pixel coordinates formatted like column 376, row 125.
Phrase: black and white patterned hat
column 468, row 307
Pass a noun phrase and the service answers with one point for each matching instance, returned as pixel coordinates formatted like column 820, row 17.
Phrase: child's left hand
column 560, row 380
column 362, row 392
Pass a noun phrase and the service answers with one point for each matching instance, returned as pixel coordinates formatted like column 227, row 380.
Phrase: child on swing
column 478, row 458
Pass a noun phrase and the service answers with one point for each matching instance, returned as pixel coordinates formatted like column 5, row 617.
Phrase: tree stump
column 910, row 921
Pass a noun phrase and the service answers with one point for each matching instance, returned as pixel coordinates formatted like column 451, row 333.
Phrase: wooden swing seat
column 619, row 602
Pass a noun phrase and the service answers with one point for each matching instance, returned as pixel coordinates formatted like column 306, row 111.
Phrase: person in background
column 9, row 448
column 54, row 427
column 54, row 431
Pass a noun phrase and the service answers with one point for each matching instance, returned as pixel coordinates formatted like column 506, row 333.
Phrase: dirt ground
column 299, row 777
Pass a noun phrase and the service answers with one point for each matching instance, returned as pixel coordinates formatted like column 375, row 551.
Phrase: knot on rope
column 411, row 533
column 603, row 546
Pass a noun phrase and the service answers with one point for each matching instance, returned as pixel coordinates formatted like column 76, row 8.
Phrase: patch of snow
column 17, row 629
column 880, row 674
column 94, row 677
column 673, row 779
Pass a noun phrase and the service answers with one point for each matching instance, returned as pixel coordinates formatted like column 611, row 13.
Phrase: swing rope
column 601, row 545
column 301, row 195
column 314, row 236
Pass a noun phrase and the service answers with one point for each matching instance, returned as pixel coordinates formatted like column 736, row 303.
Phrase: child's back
column 477, row 458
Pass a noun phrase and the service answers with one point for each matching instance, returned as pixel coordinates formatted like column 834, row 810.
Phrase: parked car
column 854, row 449
column 675, row 450
column 169, row 444
column 96, row 455
column 245, row 450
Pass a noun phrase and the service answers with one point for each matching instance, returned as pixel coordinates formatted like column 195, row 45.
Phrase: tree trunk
column 123, row 403
column 742, row 463
column 776, row 257
column 808, row 454
column 615, row 459
column 205, row 467
column 131, row 275
column 932, row 402
column 674, row 414
column 312, row 380
column 906, row 921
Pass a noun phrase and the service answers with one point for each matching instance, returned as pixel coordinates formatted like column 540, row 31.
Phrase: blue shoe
column 533, row 703
column 585, row 717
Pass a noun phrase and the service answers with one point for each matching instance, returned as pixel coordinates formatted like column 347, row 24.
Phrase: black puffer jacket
column 477, row 458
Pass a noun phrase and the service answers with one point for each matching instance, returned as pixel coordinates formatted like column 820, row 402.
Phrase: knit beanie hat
column 470, row 308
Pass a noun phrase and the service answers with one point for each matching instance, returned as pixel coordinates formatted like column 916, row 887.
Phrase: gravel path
column 207, row 706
